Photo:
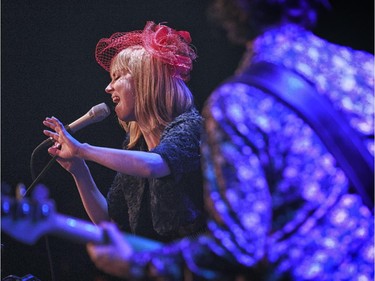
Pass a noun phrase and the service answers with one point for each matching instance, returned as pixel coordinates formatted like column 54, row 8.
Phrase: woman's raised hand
column 65, row 147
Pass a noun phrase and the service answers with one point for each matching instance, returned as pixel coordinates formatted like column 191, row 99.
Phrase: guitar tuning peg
column 6, row 189
column 24, row 209
column 6, row 206
column 20, row 191
column 40, row 193
column 43, row 210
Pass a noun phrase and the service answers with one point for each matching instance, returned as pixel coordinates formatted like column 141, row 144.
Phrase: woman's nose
column 109, row 88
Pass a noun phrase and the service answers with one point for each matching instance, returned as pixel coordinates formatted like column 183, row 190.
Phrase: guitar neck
column 77, row 230
column 83, row 232
column 27, row 221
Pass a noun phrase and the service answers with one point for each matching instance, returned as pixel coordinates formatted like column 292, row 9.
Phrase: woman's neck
column 151, row 140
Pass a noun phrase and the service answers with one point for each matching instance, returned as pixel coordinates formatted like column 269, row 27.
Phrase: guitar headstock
column 26, row 219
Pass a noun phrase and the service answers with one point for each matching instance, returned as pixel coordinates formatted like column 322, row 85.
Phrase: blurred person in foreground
column 280, row 207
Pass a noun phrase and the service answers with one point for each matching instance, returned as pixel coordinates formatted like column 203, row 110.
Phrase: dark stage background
column 48, row 68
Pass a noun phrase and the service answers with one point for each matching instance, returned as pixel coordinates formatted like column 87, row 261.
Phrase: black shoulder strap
column 333, row 129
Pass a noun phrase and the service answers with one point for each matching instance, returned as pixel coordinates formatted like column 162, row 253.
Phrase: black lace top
column 169, row 207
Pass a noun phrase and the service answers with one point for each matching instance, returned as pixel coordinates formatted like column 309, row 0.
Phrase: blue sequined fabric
column 276, row 192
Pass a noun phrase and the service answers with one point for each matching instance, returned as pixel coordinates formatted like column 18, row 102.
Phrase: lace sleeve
column 180, row 143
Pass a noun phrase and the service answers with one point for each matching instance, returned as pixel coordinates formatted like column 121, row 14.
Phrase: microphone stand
column 43, row 144
column 46, row 142
column 41, row 174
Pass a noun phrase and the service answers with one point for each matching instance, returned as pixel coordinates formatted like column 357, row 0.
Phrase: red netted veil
column 162, row 42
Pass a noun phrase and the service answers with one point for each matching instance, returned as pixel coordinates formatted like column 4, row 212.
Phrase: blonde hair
column 159, row 96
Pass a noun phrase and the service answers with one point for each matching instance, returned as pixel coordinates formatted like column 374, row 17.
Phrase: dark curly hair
column 245, row 19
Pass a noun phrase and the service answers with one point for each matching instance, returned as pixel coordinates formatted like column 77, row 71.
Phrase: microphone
column 96, row 114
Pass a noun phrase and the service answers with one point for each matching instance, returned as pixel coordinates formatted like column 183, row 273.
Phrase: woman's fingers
column 65, row 146
column 51, row 134
column 53, row 123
